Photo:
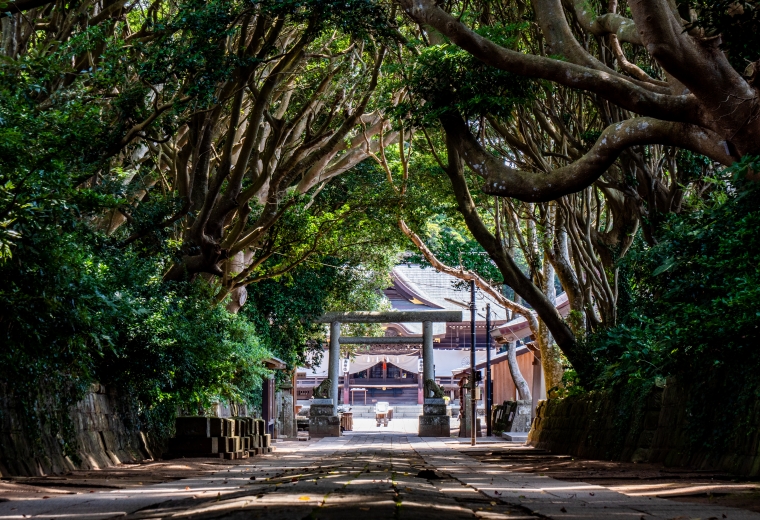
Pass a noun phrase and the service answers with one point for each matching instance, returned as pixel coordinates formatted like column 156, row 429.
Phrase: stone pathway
column 366, row 475
column 550, row 498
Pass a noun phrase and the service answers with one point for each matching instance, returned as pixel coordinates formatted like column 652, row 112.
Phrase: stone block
column 434, row 426
column 651, row 420
column 434, row 409
column 217, row 427
column 230, row 444
column 260, row 427
column 321, row 410
column 465, row 431
column 194, row 445
column 233, row 455
column 193, row 427
column 324, row 426
column 241, row 426
column 251, row 425
column 646, row 438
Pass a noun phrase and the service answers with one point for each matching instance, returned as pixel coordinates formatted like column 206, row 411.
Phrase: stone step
column 515, row 436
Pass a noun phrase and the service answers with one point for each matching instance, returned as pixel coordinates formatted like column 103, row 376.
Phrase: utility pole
column 473, row 401
column 489, row 390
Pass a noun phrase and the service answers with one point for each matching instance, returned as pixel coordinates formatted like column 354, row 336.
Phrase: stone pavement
column 367, row 475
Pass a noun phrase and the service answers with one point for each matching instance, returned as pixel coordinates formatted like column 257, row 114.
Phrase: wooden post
column 536, row 390
column 489, row 390
column 346, row 388
column 473, row 402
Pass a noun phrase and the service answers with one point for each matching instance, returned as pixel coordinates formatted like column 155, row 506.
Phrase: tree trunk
column 523, row 391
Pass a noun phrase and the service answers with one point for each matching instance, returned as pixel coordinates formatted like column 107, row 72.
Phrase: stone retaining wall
column 597, row 426
column 101, row 435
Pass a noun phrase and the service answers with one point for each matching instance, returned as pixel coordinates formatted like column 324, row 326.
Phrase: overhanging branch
column 503, row 181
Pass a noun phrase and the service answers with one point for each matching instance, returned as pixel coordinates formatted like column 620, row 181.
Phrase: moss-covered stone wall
column 651, row 427
column 101, row 438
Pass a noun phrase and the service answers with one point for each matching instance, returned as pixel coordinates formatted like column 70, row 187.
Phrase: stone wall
column 598, row 425
column 102, row 439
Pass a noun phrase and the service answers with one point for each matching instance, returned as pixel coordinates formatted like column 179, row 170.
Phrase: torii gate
column 431, row 407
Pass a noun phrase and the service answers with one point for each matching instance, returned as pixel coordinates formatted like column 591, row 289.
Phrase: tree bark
column 523, row 391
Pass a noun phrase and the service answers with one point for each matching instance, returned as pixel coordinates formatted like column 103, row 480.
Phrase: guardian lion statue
column 323, row 390
column 431, row 387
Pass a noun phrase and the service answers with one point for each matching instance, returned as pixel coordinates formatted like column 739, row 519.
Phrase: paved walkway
column 367, row 475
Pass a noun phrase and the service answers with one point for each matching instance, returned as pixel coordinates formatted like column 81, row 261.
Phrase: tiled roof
column 423, row 288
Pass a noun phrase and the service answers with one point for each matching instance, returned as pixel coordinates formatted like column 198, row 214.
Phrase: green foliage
column 446, row 78
column 283, row 310
column 77, row 311
column 738, row 23
column 347, row 273
column 694, row 293
column 691, row 310
column 361, row 19
column 78, row 306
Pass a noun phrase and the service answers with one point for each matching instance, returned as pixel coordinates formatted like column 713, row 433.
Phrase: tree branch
column 501, row 180
column 638, row 97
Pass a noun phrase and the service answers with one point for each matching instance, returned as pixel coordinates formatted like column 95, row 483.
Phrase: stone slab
column 434, row 409
column 434, row 426
column 192, row 427
column 321, row 410
column 199, row 446
column 324, row 426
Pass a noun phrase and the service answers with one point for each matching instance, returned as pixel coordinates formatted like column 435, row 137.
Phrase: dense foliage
column 736, row 22
column 85, row 301
column 690, row 312
column 692, row 296
column 449, row 79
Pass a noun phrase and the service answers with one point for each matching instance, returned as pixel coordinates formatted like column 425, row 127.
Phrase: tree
column 124, row 130
column 552, row 142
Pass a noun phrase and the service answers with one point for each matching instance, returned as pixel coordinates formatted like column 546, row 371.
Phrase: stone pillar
column 333, row 370
column 428, row 357
column 465, row 425
column 434, row 421
column 323, row 414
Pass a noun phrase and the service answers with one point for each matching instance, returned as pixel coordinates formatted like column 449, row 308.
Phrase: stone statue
column 432, row 387
column 323, row 390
